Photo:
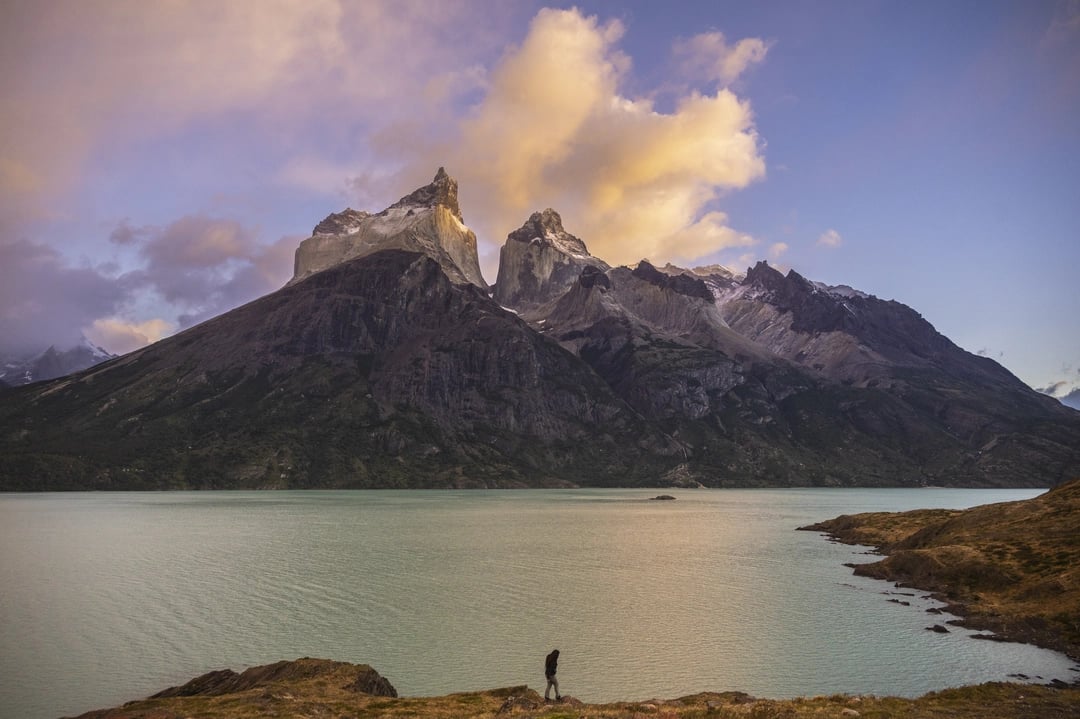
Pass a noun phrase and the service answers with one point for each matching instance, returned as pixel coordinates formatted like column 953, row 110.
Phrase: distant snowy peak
column 427, row 220
column 97, row 352
column 52, row 363
column 844, row 291
column 719, row 279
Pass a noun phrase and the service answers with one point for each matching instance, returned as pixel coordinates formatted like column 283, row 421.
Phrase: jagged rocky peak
column 540, row 261
column 765, row 276
column 442, row 191
column 594, row 277
column 341, row 223
column 546, row 228
column 680, row 283
column 427, row 220
column 720, row 280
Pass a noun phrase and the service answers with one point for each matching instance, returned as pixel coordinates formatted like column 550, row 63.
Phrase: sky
column 160, row 162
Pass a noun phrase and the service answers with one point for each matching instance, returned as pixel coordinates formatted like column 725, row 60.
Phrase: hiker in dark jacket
column 551, row 665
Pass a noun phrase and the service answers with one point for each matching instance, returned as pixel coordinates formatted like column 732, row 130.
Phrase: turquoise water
column 110, row 597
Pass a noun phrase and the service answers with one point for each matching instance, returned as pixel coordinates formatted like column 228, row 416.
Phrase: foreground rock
column 1013, row 568
column 322, row 688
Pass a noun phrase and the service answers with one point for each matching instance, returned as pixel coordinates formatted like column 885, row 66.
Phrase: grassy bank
column 334, row 690
column 1013, row 568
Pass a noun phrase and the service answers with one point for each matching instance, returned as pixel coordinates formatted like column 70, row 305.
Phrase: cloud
column 1072, row 399
column 777, row 249
column 708, row 56
column 120, row 337
column 101, row 69
column 205, row 265
column 45, row 301
column 1066, row 390
column 336, row 105
column 1055, row 389
column 82, row 77
column 553, row 130
column 125, row 234
column 830, row 239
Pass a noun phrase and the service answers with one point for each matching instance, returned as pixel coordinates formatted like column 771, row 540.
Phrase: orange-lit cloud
column 358, row 98
column 554, row 130
column 121, row 337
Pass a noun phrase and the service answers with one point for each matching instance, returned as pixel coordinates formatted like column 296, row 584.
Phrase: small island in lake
column 1012, row 567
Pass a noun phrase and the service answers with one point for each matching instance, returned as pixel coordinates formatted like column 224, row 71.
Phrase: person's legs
column 551, row 682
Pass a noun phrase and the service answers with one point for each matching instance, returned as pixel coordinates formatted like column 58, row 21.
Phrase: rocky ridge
column 428, row 220
column 386, row 362
column 540, row 261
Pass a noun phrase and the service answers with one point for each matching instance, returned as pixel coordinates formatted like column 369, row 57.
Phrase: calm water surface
column 109, row 597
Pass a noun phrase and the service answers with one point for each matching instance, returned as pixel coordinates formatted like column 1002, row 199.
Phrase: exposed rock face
column 856, row 339
column 427, row 220
column 841, row 333
column 225, row 681
column 718, row 278
column 396, row 369
column 540, row 261
column 379, row 371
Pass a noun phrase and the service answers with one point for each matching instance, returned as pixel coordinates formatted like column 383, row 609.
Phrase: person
column 551, row 665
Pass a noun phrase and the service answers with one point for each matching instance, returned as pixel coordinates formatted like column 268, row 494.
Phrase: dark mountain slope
column 785, row 382
column 864, row 342
column 375, row 372
column 384, row 363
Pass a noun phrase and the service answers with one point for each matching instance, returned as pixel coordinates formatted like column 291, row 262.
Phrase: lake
column 109, row 597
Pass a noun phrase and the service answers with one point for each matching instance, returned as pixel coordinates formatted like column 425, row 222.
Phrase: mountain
column 387, row 362
column 540, row 261
column 379, row 371
column 51, row 363
column 772, row 378
column 1072, row 399
column 427, row 221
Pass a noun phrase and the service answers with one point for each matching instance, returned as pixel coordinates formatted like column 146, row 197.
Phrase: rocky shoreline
column 1010, row 568
column 1013, row 568
column 322, row 688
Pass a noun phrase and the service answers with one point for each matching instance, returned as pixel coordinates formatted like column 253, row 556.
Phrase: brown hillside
column 1013, row 568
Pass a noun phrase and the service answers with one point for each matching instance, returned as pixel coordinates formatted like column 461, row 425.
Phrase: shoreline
column 1008, row 568
column 325, row 688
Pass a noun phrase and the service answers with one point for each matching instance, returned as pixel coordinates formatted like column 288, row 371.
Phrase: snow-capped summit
column 51, row 363
column 427, row 220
